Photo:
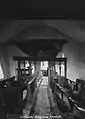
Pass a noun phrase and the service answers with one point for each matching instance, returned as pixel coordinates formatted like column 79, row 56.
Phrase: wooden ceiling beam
column 39, row 59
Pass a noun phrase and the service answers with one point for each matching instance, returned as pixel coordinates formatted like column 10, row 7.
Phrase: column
column 48, row 75
column 30, row 71
column 5, row 64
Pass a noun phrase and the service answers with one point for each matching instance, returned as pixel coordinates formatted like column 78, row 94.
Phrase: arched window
column 33, row 69
column 1, row 72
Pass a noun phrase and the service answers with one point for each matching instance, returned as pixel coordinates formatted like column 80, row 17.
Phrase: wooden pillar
column 48, row 73
column 54, row 67
column 24, row 63
column 19, row 72
column 30, row 71
column 49, row 77
column 18, row 65
column 35, row 72
column 37, row 66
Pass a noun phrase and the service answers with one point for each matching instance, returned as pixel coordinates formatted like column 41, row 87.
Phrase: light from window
column 1, row 72
column 44, row 65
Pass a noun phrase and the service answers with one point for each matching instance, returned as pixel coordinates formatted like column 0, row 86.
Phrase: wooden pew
column 11, row 96
column 74, row 104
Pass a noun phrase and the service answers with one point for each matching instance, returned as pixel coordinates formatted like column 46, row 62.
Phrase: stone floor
column 45, row 104
column 42, row 105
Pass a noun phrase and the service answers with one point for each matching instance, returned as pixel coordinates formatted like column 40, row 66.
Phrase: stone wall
column 75, row 53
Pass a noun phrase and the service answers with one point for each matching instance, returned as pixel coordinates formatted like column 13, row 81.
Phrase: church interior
column 42, row 66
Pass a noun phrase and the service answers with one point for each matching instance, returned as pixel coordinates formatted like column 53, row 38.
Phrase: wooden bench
column 11, row 96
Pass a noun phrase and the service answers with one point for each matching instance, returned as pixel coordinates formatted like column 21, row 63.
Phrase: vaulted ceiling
column 41, row 39
column 73, row 29
column 19, row 32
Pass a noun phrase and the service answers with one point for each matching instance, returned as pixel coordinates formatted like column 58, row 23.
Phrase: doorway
column 44, row 67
